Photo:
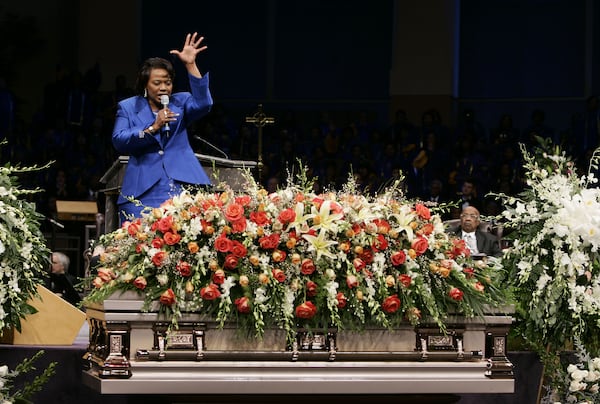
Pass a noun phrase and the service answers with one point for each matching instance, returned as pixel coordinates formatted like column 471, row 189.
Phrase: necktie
column 471, row 243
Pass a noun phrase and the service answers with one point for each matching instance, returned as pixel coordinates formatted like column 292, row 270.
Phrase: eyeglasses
column 471, row 215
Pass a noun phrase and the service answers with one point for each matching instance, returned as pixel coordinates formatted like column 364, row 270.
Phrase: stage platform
column 72, row 385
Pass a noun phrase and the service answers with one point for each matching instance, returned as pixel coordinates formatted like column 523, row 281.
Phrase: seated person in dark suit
column 61, row 282
column 478, row 241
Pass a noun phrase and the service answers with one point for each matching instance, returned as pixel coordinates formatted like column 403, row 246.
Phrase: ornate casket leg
column 498, row 365
column 109, row 349
column 315, row 341
column 186, row 343
column 429, row 341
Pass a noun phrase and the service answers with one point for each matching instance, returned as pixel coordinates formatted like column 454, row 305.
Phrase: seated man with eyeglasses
column 480, row 242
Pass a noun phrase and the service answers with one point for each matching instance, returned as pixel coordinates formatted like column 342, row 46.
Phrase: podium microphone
column 164, row 100
column 212, row 145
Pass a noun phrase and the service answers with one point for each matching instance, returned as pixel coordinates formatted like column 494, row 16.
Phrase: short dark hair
column 147, row 67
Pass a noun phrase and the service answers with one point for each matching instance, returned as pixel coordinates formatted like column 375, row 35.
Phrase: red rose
column 306, row 310
column 341, row 300
column 311, row 288
column 210, row 292
column 231, row 261
column 398, row 258
column 420, row 245
column 358, row 264
column 469, row 272
column 168, row 297
column 383, row 226
column 243, row 200
column 165, row 224
column 456, row 294
column 278, row 274
column 307, row 267
column 184, row 268
column 269, row 242
column 367, row 256
column 159, row 258
column 238, row 249
column 380, row 243
column 391, row 304
column 351, row 281
column 239, row 226
column 218, row 277
column 242, row 304
column 140, row 282
column 405, row 280
column 260, row 218
column 286, row 216
column 171, row 238
column 422, row 211
column 139, row 248
column 157, row 242
column 234, row 212
column 222, row 244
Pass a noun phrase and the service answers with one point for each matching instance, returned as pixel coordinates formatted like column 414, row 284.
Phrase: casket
column 130, row 352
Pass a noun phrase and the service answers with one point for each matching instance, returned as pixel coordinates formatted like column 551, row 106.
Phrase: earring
column 145, row 93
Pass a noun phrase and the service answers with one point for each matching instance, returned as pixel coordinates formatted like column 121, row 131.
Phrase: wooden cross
column 259, row 119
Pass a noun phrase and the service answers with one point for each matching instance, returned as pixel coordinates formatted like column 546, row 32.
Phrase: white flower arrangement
column 554, row 260
column 23, row 251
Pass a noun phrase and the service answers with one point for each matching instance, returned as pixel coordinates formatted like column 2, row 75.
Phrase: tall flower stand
column 130, row 352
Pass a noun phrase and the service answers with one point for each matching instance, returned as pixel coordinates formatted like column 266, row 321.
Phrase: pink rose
column 140, row 282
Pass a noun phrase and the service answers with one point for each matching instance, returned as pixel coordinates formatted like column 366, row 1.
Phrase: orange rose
column 234, row 212
column 193, row 247
column 286, row 216
column 168, row 297
column 171, row 238
column 391, row 304
column 422, row 211
column 306, row 310
column 159, row 258
column 210, row 292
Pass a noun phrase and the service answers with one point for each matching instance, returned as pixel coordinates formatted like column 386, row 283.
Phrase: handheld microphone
column 164, row 100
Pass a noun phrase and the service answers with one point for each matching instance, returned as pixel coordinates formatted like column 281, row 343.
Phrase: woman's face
column 159, row 83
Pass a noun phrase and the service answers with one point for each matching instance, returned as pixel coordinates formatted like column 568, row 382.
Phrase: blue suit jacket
column 152, row 157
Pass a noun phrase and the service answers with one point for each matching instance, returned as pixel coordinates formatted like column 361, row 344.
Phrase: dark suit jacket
column 487, row 243
column 154, row 156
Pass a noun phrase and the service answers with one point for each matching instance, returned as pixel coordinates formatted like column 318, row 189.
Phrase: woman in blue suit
column 151, row 129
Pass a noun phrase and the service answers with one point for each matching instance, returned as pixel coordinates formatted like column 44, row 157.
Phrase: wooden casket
column 130, row 352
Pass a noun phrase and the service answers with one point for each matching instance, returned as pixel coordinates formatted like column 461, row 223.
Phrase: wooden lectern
column 218, row 170
column 84, row 211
